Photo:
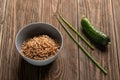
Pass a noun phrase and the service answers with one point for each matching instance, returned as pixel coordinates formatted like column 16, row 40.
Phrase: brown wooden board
column 72, row 63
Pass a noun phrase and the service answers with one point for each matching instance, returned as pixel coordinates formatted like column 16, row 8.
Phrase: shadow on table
column 45, row 71
column 31, row 72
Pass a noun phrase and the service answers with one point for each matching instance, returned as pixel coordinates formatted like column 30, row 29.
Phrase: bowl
column 35, row 29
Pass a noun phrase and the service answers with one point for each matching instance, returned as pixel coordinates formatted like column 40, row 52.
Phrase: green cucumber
column 96, row 36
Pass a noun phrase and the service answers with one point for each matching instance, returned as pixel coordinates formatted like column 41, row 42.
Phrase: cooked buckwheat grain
column 40, row 48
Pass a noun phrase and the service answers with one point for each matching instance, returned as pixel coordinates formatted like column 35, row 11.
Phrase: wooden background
column 71, row 64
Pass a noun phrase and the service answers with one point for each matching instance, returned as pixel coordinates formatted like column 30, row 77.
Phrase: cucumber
column 96, row 36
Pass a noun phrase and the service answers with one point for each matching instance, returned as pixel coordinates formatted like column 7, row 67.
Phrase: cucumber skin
column 95, row 35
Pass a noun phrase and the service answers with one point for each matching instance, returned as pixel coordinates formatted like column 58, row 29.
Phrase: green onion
column 72, row 28
column 83, row 49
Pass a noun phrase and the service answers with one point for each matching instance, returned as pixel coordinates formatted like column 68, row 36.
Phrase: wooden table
column 72, row 63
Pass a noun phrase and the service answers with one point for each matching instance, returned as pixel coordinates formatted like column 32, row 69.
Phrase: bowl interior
column 35, row 29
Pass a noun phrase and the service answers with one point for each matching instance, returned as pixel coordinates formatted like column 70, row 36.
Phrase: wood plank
column 1, row 30
column 0, row 49
column 100, row 14
column 116, row 31
column 18, row 14
column 4, row 57
column 27, row 12
column 2, row 12
column 65, row 67
column 70, row 50
column 87, row 68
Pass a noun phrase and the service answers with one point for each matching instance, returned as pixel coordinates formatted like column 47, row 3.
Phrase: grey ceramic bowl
column 35, row 29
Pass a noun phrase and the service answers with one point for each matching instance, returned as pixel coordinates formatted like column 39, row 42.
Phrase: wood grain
column 72, row 63
column 100, row 13
column 64, row 65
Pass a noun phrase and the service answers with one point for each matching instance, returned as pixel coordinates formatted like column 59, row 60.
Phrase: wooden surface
column 72, row 63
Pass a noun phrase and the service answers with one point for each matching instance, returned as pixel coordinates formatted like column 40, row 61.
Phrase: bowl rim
column 25, row 26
